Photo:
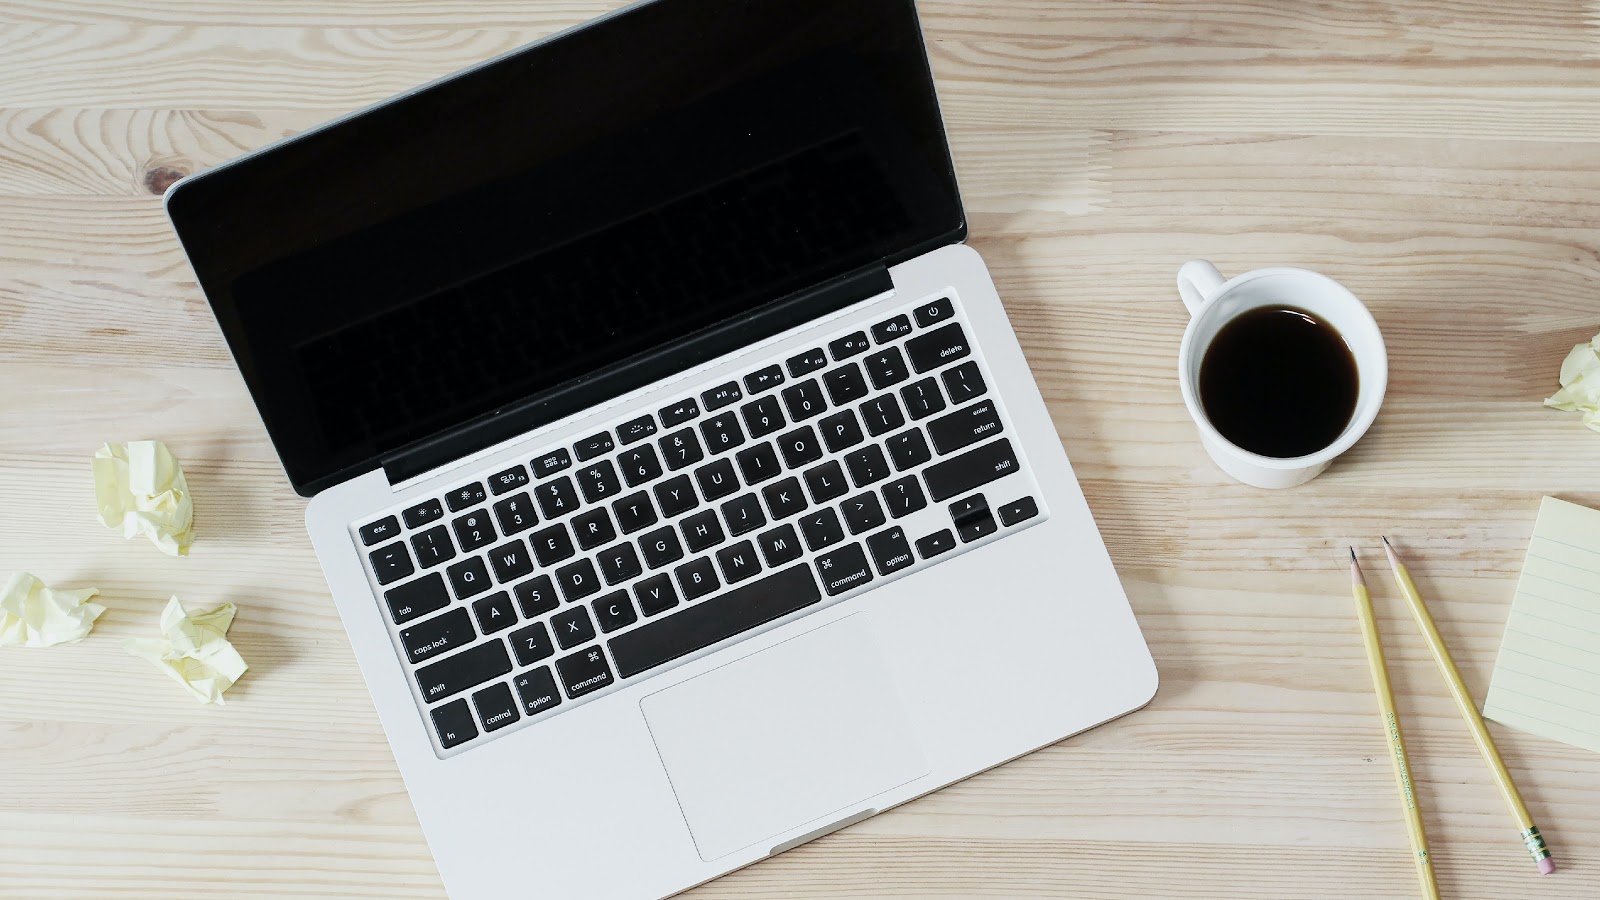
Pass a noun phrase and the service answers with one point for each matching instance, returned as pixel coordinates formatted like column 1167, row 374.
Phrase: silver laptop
column 675, row 469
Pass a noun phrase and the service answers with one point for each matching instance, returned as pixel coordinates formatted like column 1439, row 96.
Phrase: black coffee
column 1279, row 382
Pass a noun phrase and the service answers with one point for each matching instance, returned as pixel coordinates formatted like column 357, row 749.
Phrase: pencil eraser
column 1546, row 866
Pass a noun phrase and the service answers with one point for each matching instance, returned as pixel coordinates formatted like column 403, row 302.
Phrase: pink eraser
column 1546, row 866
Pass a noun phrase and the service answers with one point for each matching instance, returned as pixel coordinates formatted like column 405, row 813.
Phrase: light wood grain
column 1438, row 156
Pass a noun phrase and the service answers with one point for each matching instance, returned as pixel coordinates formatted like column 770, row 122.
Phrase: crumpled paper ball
column 1580, row 383
column 194, row 650
column 32, row 615
column 140, row 489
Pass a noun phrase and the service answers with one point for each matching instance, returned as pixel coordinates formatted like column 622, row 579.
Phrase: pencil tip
column 1352, row 554
column 1386, row 541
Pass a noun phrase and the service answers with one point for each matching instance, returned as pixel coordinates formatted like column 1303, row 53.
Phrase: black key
column 473, row 530
column 780, row 545
column 841, row 431
column 515, row 514
column 634, row 512
column 1020, row 511
column 863, row 512
column 599, row 481
column 893, row 329
column 741, row 609
column 716, row 479
column 584, row 672
column 660, row 547
column 494, row 612
column 655, row 594
column 532, row 644
column 849, row 345
column 938, row 347
column 890, row 550
column 763, row 380
column 495, row 707
column 594, row 445
column 467, row 669
column 509, row 480
column 763, row 417
column 383, row 529
column 935, row 312
column 556, row 498
column 614, row 611
column 510, row 561
column 722, row 433
column 922, row 399
column 433, row 547
column 619, row 563
column 572, row 627
column 804, row 400
column 465, row 496
column 964, row 382
column 826, row 482
column 904, row 496
column 965, row 427
column 536, row 691
column 806, row 363
column 551, row 463
column 886, row 367
column 843, row 569
column 636, row 430
column 437, row 636
column 972, row 517
column 738, row 562
column 417, row 598
column 681, row 448
column 702, row 530
column 758, row 463
column 936, row 543
column 679, row 413
column 697, row 578
column 721, row 395
column 908, row 449
column 469, row 578
column 639, row 465
column 391, row 562
column 537, row 596
column 551, row 545
column 800, row 447
column 972, row 469
column 867, row 465
column 785, row 498
column 577, row 580
column 822, row 529
column 676, row 496
column 882, row 415
column 743, row 514
column 423, row 513
column 593, row 527
column 454, row 723
column 845, row 384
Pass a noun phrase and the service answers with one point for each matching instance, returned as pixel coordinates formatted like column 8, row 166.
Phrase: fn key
column 454, row 723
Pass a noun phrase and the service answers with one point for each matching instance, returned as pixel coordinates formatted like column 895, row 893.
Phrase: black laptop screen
column 466, row 248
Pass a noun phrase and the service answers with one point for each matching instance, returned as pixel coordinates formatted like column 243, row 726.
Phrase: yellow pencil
column 1469, row 711
column 1391, row 726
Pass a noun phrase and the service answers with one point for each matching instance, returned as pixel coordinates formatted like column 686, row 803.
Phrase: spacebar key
column 971, row 469
column 717, row 619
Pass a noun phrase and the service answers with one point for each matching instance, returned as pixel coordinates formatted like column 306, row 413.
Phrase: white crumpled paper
column 1580, row 383
column 32, row 615
column 194, row 650
column 140, row 489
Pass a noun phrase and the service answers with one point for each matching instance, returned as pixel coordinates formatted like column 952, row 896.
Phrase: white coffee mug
column 1214, row 302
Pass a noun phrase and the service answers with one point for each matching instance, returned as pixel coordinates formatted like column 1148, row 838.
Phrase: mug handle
column 1198, row 281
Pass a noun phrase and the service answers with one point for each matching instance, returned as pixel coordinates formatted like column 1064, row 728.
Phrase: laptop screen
column 464, row 249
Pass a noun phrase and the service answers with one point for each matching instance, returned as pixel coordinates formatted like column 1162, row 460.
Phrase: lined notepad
column 1547, row 678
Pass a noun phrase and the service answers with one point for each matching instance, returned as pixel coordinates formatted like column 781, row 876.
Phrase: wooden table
column 1441, row 158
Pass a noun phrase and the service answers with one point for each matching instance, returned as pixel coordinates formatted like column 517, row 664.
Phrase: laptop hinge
column 640, row 371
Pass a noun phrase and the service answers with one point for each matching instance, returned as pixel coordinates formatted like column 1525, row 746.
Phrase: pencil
column 1469, row 710
column 1391, row 727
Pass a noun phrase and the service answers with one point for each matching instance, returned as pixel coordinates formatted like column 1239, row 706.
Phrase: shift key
column 972, row 469
column 465, row 670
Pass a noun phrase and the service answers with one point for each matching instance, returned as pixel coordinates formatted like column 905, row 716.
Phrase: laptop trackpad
column 801, row 732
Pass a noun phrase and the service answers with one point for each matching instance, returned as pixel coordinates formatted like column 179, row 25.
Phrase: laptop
column 674, row 467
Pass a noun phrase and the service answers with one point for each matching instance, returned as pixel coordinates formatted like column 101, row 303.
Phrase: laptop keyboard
column 599, row 562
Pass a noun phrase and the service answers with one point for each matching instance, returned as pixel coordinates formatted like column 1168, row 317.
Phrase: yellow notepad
column 1547, row 679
